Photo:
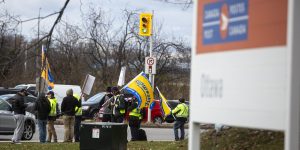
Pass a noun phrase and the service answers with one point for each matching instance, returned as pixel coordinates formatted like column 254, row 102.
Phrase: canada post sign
column 225, row 21
column 230, row 25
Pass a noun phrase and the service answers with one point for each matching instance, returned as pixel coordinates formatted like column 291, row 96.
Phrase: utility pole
column 37, row 66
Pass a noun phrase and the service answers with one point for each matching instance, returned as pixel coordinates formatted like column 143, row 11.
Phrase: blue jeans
column 179, row 125
column 42, row 130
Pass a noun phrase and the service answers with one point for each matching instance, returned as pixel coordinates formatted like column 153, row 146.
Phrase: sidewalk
column 150, row 125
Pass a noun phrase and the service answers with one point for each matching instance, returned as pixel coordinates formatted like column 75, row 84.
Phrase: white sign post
column 150, row 65
column 121, row 80
column 292, row 135
column 150, row 68
column 88, row 84
column 246, row 72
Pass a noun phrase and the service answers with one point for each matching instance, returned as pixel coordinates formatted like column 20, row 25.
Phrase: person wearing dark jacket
column 18, row 107
column 68, row 106
column 181, row 113
column 42, row 106
column 106, row 105
column 135, row 118
column 118, row 106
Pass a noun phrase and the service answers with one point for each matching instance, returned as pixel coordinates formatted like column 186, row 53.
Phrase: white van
column 59, row 90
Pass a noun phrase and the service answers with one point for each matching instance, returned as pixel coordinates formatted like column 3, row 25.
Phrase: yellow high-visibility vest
column 53, row 103
column 183, row 110
column 136, row 112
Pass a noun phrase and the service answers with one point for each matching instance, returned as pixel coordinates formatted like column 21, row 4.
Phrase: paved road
column 153, row 134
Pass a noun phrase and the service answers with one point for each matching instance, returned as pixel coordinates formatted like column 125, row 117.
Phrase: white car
column 8, row 123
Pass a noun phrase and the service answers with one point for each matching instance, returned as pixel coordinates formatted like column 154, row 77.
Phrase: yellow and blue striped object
column 46, row 72
column 141, row 88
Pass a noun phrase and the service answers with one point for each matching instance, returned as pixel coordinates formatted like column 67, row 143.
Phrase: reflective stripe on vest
column 117, row 98
column 135, row 112
column 53, row 103
column 78, row 110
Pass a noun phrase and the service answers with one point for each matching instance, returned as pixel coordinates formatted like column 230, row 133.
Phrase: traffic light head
column 145, row 24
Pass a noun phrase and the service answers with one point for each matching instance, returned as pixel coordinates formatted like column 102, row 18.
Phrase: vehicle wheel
column 28, row 131
column 157, row 120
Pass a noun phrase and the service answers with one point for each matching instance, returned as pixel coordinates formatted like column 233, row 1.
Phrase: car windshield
column 21, row 87
column 5, row 97
column 4, row 105
column 96, row 98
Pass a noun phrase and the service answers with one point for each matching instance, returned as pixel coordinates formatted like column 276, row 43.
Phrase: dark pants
column 179, row 124
column 117, row 119
column 77, row 128
column 42, row 130
column 106, row 118
column 134, row 124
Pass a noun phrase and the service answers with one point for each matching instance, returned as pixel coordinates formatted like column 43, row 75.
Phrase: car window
column 29, row 99
column 4, row 105
column 96, row 98
column 172, row 104
column 31, row 88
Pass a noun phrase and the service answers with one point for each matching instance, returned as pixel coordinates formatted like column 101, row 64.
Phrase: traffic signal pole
column 151, row 76
column 145, row 29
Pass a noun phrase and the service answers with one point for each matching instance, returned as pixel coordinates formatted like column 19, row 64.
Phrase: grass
column 38, row 146
column 139, row 145
column 229, row 139
column 136, row 145
column 243, row 139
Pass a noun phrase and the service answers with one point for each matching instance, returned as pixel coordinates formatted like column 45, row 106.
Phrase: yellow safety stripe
column 78, row 110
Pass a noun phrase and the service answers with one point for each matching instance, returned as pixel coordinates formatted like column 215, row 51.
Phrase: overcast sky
column 175, row 19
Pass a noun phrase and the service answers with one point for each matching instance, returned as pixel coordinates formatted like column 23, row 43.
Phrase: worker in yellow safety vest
column 181, row 114
column 52, row 117
column 118, row 106
column 78, row 117
column 135, row 118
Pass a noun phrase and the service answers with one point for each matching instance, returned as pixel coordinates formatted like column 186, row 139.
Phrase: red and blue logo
column 225, row 21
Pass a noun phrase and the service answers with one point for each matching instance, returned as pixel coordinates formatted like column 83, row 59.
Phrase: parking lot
column 153, row 134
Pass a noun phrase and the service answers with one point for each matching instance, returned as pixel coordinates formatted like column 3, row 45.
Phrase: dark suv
column 91, row 106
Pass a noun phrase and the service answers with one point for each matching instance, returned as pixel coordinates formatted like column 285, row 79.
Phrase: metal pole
column 37, row 52
column 151, row 76
column 25, row 63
